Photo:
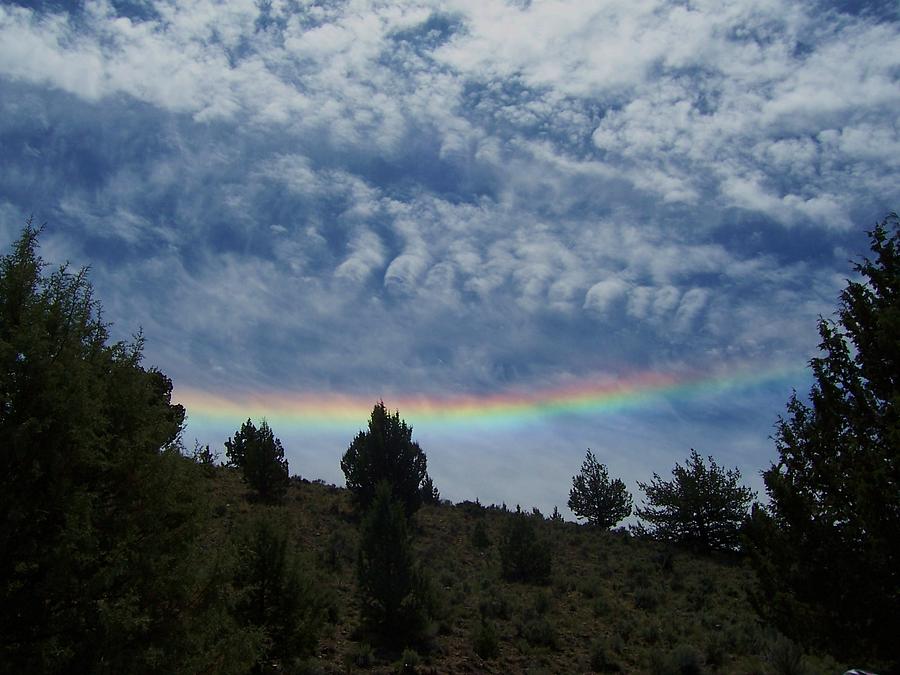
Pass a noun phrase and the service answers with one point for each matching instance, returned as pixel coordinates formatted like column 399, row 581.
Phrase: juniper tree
column 260, row 456
column 524, row 555
column 396, row 600
column 702, row 507
column 276, row 596
column 385, row 452
column 595, row 497
column 827, row 548
column 98, row 508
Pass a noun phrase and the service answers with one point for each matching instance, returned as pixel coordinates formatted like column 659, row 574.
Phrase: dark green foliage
column 682, row 660
column 834, row 509
column 360, row 656
column 646, row 598
column 386, row 452
column 537, row 630
column 260, row 457
column 205, row 458
column 428, row 492
column 524, row 556
column 785, row 657
column 601, row 658
column 99, row 511
column 338, row 550
column 409, row 662
column 485, row 641
column 494, row 605
column 395, row 594
column 596, row 498
column 702, row 507
column 480, row 537
column 276, row 598
column 542, row 603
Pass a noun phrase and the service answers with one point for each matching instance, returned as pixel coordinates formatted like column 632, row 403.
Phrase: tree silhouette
column 396, row 600
column 524, row 555
column 260, row 457
column 702, row 507
column 385, row 452
column 828, row 546
column 594, row 497
column 98, row 515
column 276, row 597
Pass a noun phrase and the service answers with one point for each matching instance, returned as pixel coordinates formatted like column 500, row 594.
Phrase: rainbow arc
column 597, row 395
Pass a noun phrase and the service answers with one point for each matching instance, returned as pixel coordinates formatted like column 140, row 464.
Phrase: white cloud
column 491, row 198
column 366, row 255
column 601, row 296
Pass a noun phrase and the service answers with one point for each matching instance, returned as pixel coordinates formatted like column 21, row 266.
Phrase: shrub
column 494, row 606
column 360, row 655
column 485, row 641
column 537, row 631
column 275, row 596
column 541, row 603
column 337, row 551
column 409, row 662
column 524, row 556
column 601, row 660
column 600, row 606
column 682, row 660
column 646, row 598
column 716, row 650
column 480, row 537
column 785, row 657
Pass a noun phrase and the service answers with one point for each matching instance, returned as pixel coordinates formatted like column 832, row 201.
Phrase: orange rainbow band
column 510, row 408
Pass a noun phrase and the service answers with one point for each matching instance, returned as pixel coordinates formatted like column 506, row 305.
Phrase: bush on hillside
column 524, row 555
column 276, row 597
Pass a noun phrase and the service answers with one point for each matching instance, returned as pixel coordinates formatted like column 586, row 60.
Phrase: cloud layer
column 381, row 197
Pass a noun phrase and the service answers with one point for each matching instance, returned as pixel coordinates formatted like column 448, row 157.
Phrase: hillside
column 614, row 603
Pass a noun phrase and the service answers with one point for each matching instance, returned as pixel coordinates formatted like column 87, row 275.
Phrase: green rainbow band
column 513, row 407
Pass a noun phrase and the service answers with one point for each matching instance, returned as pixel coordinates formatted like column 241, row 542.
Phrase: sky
column 533, row 228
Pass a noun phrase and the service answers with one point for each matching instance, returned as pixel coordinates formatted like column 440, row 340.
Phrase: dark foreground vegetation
column 120, row 552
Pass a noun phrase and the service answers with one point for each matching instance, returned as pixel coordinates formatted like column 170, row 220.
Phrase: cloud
column 603, row 294
column 381, row 197
column 366, row 256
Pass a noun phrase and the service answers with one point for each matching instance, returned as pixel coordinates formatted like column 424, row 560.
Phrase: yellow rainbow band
column 585, row 396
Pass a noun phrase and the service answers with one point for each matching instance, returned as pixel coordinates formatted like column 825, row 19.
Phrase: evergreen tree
column 524, row 555
column 260, row 456
column 828, row 546
column 702, row 507
column 594, row 497
column 395, row 594
column 98, row 507
column 277, row 600
column 429, row 493
column 386, row 452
